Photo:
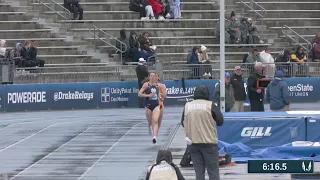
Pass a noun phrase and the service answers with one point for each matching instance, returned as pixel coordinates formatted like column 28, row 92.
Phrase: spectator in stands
column 133, row 46
column 142, row 75
column 145, row 48
column 33, row 53
column 244, row 29
column 203, row 57
column 157, row 9
column 3, row 49
column 74, row 7
column 232, row 27
column 283, row 60
column 25, row 54
column 268, row 62
column 17, row 56
column 316, row 49
column 193, row 61
column 175, row 9
column 141, row 6
column 237, row 83
column 165, row 8
column 256, row 95
column 253, row 33
column 277, row 94
column 229, row 93
column 123, row 45
column 164, row 168
column 253, row 57
column 299, row 58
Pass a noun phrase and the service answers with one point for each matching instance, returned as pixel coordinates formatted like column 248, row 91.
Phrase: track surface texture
column 109, row 144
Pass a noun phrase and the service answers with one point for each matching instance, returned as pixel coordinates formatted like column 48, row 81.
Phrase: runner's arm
column 141, row 91
column 163, row 91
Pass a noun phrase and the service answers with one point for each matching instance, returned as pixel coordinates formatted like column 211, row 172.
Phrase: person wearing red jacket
column 157, row 9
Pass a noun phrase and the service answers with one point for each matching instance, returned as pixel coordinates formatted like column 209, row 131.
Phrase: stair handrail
column 297, row 34
column 263, row 10
column 57, row 12
column 95, row 28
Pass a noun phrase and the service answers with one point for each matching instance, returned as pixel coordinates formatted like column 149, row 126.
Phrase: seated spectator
column 268, row 62
column 253, row 37
column 123, row 46
column 164, row 168
column 193, row 61
column 175, row 9
column 74, row 7
column 253, row 57
column 145, row 48
column 206, row 68
column 299, row 59
column 141, row 6
column 157, row 9
column 17, row 56
column 226, row 34
column 283, row 60
column 32, row 55
column 232, row 27
column 133, row 46
column 244, row 29
column 316, row 49
column 165, row 8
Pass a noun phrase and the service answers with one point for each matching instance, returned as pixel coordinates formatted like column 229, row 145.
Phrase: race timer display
column 281, row 166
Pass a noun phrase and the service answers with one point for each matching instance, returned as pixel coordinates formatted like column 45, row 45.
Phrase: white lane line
column 56, row 124
column 44, row 157
column 101, row 157
column 15, row 124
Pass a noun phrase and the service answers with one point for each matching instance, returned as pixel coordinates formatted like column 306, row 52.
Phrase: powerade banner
column 264, row 132
column 121, row 94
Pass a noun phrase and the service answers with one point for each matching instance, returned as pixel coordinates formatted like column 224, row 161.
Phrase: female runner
column 152, row 93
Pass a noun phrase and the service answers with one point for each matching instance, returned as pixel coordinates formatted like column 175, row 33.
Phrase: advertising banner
column 123, row 94
column 262, row 133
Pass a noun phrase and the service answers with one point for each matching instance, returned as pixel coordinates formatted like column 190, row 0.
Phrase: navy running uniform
column 153, row 102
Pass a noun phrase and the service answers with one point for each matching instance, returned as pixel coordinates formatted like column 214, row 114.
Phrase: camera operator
column 256, row 94
column 74, row 7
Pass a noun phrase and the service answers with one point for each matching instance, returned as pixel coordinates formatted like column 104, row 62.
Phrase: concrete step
column 61, row 59
column 290, row 13
column 124, row 6
column 171, row 40
column 279, row 5
column 299, row 29
column 25, row 33
column 271, row 22
column 137, row 23
column 113, row 15
column 156, row 32
column 19, row 25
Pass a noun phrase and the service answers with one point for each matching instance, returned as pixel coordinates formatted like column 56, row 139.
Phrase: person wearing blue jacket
column 278, row 94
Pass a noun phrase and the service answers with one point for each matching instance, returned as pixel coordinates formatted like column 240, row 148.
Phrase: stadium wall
column 34, row 97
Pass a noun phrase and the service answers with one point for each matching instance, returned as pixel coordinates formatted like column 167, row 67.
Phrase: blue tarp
column 242, row 153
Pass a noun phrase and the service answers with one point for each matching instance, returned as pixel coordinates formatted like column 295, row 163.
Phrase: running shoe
column 154, row 140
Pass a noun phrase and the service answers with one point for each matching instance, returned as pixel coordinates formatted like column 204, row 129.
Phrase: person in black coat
column 74, row 7
column 237, row 82
column 32, row 55
column 142, row 75
column 133, row 46
column 138, row 6
column 256, row 95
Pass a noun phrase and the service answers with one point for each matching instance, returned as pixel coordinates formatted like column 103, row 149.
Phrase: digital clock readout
column 281, row 166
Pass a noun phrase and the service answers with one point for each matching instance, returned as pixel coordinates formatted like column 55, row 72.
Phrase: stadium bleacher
column 173, row 38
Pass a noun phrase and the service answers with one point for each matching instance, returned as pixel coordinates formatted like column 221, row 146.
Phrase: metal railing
column 262, row 10
column 108, row 36
column 51, row 7
column 169, row 71
column 296, row 39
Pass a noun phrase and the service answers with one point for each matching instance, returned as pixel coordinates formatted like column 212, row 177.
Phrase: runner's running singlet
column 153, row 102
